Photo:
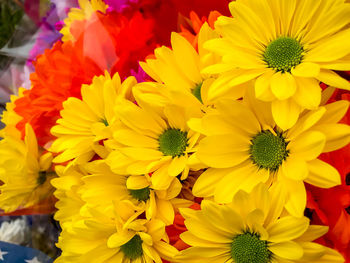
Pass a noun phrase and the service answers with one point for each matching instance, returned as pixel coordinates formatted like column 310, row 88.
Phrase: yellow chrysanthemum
column 69, row 204
column 287, row 47
column 86, row 122
column 121, row 237
column 102, row 187
column 252, row 229
column 84, row 12
column 180, row 69
column 153, row 140
column 25, row 171
column 244, row 146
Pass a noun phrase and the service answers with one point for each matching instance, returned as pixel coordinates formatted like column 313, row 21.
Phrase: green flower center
column 140, row 194
column 173, row 142
column 133, row 248
column 197, row 92
column 41, row 178
column 248, row 248
column 268, row 150
column 283, row 53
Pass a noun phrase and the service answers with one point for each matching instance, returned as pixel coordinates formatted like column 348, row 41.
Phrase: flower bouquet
column 188, row 131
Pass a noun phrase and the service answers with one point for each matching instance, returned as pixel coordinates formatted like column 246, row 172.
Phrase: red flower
column 331, row 207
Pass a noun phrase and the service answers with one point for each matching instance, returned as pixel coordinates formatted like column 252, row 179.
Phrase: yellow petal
column 223, row 151
column 287, row 228
column 204, row 231
column 312, row 251
column 306, row 70
column 308, row 145
column 333, row 79
column 321, row 174
column 337, row 136
column 165, row 211
column 193, row 240
column 244, row 179
column 287, row 250
column 308, row 93
column 137, row 182
column 30, row 141
column 294, row 168
column 142, row 154
column 167, row 251
column 175, row 116
column 283, row 85
column 330, row 49
column 131, row 138
column 186, row 56
column 224, row 218
column 285, row 113
column 160, row 178
column 331, row 255
column 246, row 75
column 277, row 201
column 296, row 200
column 306, row 122
column 334, row 111
column 239, row 115
column 313, row 232
column 262, row 86
column 206, row 183
column 119, row 239
column 177, row 165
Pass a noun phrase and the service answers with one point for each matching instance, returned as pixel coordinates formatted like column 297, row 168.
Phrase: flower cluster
column 238, row 125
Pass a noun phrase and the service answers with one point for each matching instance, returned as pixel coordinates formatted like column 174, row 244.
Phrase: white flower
column 16, row 232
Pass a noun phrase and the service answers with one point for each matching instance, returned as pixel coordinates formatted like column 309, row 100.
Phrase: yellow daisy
column 69, row 204
column 252, row 229
column 244, row 146
column 102, row 187
column 84, row 12
column 151, row 141
column 180, row 69
column 287, row 47
column 84, row 123
column 122, row 237
column 25, row 171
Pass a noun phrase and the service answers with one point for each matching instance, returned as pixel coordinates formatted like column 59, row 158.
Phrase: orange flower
column 59, row 74
column 108, row 42
column 190, row 28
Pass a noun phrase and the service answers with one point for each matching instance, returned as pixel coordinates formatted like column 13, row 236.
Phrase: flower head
column 122, row 237
column 79, row 132
column 25, row 173
column 287, row 48
column 245, row 146
column 152, row 140
column 252, row 228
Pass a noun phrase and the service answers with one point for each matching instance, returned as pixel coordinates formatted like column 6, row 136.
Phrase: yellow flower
column 25, row 171
column 156, row 141
column 102, row 187
column 119, row 237
column 84, row 12
column 244, row 146
column 85, row 122
column 70, row 203
column 287, row 47
column 252, row 229
column 180, row 69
